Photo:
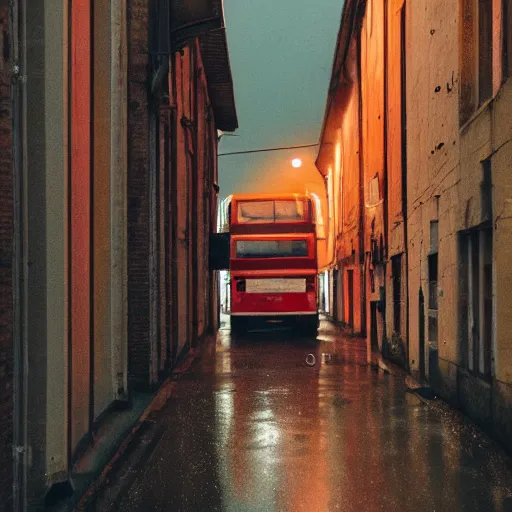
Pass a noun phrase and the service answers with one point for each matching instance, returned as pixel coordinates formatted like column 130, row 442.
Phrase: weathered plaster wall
column 432, row 164
column 445, row 160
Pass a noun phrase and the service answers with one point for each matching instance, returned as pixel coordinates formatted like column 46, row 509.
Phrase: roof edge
column 217, row 67
column 340, row 54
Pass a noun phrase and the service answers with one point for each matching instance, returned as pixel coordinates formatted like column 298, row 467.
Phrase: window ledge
column 478, row 112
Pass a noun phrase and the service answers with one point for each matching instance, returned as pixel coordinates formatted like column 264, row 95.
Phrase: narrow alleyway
column 252, row 427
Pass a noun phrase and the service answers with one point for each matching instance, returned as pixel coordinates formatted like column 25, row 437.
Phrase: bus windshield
column 271, row 248
column 271, row 211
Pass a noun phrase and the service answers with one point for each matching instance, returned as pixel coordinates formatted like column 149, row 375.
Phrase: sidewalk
column 120, row 431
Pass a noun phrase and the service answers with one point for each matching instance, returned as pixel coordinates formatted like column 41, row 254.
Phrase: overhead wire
column 269, row 149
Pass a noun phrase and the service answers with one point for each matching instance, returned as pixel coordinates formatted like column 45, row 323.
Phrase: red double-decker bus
column 273, row 261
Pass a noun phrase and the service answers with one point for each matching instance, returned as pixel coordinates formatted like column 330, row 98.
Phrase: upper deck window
column 271, row 211
column 271, row 248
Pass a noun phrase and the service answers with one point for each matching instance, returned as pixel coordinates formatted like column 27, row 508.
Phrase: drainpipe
column 20, row 348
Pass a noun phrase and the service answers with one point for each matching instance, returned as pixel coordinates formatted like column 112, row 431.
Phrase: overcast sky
column 281, row 55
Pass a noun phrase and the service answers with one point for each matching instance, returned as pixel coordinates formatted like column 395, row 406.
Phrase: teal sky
column 281, row 55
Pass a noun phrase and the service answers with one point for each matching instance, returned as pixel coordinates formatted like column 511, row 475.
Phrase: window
column 432, row 281
column 396, row 273
column 476, row 56
column 317, row 215
column 373, row 191
column 486, row 300
column 476, row 298
column 484, row 50
column 160, row 45
column 271, row 248
column 507, row 38
column 372, row 280
column 463, row 296
column 5, row 49
column 486, row 191
column 434, row 235
column 256, row 211
column 271, row 211
column 289, row 210
column 432, row 298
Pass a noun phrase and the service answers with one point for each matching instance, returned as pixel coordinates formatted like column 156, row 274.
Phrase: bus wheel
column 237, row 325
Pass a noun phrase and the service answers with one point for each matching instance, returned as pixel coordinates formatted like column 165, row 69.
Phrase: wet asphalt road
column 252, row 428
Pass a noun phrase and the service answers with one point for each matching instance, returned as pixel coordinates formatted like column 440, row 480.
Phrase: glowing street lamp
column 296, row 162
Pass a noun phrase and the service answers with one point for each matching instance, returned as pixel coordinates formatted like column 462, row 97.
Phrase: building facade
column 108, row 173
column 459, row 156
column 69, row 323
column 416, row 153
column 173, row 181
column 361, row 156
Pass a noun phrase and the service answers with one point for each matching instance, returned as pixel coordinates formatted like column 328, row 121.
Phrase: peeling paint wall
column 455, row 137
column 433, row 154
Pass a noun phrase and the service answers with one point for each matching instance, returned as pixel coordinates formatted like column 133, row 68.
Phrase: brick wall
column 138, row 194
column 6, row 238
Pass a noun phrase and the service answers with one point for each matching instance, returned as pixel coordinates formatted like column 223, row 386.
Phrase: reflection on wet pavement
column 253, row 428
